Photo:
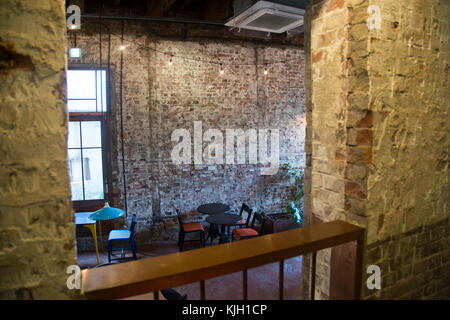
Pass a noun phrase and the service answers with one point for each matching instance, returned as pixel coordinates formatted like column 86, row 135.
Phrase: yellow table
column 82, row 219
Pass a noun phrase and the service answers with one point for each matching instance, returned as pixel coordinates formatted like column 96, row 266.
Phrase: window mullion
column 82, row 165
column 96, row 94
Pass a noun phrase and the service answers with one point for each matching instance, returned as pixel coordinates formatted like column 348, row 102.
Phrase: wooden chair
column 189, row 228
column 244, row 223
column 122, row 235
column 247, row 233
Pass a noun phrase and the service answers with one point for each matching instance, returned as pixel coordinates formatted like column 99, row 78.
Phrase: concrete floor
column 262, row 281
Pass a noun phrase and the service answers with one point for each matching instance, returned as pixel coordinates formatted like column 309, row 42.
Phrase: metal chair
column 122, row 236
column 247, row 233
column 244, row 223
column 189, row 228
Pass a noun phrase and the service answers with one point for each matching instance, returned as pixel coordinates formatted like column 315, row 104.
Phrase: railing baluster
column 156, row 295
column 202, row 290
column 244, row 284
column 281, row 280
column 313, row 274
column 358, row 269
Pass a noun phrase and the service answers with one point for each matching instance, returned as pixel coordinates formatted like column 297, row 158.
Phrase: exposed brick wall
column 326, row 76
column 408, row 181
column 36, row 232
column 381, row 160
column 414, row 264
column 157, row 99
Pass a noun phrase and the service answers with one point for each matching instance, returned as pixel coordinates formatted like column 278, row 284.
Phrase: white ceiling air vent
column 269, row 17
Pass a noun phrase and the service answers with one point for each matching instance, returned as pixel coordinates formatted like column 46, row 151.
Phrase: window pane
column 81, row 84
column 104, row 109
column 93, row 169
column 81, row 105
column 91, row 133
column 74, row 135
column 101, row 90
column 76, row 182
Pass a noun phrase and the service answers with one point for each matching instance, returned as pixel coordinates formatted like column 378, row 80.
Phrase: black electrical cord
column 108, row 108
column 121, row 125
column 100, row 43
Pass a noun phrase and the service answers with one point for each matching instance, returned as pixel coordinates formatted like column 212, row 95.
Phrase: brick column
column 36, row 229
column 376, row 139
column 337, row 143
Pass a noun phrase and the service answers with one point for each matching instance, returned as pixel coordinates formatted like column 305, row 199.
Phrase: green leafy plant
column 295, row 205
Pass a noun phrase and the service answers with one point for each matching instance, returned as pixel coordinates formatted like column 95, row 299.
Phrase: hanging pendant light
column 107, row 213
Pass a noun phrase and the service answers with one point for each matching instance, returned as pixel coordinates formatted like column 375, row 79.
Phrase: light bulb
column 266, row 71
column 221, row 69
column 170, row 61
column 75, row 53
column 122, row 47
column 73, row 26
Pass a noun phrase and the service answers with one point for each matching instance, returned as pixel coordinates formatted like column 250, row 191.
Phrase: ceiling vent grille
column 269, row 17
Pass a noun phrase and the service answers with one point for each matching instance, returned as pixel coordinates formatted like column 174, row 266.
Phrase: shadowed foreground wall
column 36, row 234
column 381, row 157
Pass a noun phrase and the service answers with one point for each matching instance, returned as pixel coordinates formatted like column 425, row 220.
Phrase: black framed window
column 86, row 90
column 87, row 141
column 85, row 152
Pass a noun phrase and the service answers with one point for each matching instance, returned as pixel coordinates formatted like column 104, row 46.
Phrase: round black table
column 213, row 208
column 223, row 219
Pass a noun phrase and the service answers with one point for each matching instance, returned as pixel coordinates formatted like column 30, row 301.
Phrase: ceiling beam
column 157, row 8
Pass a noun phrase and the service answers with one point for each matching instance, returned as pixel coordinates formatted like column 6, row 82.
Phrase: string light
column 74, row 52
column 221, row 70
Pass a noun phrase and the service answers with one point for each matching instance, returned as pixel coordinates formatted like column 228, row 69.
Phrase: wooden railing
column 138, row 277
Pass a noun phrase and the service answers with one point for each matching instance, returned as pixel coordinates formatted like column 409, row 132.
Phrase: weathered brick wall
column 36, row 232
column 327, row 70
column 385, row 147
column 158, row 98
column 408, row 182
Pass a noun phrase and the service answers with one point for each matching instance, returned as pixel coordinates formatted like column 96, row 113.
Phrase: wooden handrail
column 152, row 274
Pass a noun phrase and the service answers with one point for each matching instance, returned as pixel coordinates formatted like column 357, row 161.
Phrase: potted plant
column 295, row 205
column 293, row 217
